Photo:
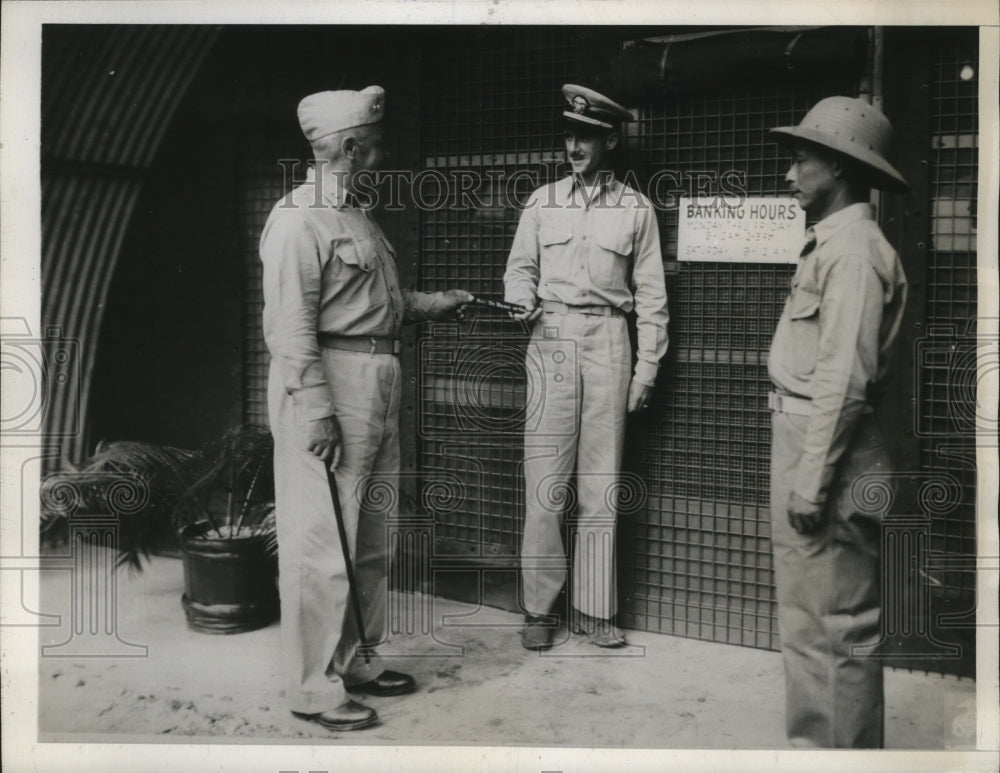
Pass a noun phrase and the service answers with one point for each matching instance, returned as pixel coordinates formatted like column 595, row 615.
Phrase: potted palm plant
column 230, row 550
column 215, row 503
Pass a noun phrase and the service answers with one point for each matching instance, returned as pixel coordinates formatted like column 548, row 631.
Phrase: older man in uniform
column 829, row 363
column 586, row 252
column 332, row 315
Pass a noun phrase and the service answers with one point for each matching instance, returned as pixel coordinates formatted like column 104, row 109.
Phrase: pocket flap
column 548, row 236
column 358, row 252
column 388, row 246
column 620, row 243
column 803, row 304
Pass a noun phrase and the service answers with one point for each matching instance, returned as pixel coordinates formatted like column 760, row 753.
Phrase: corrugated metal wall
column 108, row 95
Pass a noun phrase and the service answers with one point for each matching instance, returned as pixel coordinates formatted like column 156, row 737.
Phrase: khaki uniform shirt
column 328, row 268
column 834, row 337
column 585, row 248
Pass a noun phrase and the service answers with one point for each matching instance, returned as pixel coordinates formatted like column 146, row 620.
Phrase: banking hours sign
column 754, row 229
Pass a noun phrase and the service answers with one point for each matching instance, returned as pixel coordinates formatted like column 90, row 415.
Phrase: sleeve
column 292, row 275
column 521, row 277
column 850, row 315
column 420, row 307
column 650, row 293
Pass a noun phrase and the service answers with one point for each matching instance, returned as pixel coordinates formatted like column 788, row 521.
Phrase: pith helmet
column 855, row 129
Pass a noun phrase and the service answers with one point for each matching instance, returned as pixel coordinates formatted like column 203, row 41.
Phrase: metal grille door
column 947, row 355
column 695, row 558
column 489, row 110
column 697, row 561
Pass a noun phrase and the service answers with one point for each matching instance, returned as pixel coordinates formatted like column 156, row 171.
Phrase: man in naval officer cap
column 829, row 362
column 586, row 253
column 333, row 309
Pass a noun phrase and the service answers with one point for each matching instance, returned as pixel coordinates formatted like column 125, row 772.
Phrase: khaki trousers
column 578, row 369
column 829, row 600
column 318, row 631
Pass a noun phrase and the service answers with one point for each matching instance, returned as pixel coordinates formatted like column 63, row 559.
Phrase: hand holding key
column 514, row 310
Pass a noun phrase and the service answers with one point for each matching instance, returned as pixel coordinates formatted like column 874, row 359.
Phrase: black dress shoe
column 347, row 716
column 387, row 683
column 538, row 631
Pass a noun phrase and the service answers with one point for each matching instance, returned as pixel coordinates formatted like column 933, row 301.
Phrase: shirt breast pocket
column 360, row 275
column 609, row 263
column 803, row 312
column 553, row 247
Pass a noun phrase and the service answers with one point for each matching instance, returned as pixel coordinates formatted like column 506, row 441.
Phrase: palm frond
column 267, row 526
column 156, row 490
column 239, row 462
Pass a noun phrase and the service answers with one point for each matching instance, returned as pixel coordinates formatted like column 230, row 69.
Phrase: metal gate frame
column 470, row 535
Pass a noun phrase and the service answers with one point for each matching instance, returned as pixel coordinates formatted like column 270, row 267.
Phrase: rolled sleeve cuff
column 830, row 433
column 813, row 478
column 528, row 300
column 645, row 372
column 314, row 402
column 421, row 307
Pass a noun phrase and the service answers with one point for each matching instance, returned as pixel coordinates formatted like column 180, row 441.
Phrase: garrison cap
column 331, row 111
column 589, row 108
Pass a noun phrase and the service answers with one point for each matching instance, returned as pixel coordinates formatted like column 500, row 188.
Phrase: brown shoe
column 347, row 716
column 603, row 633
column 538, row 631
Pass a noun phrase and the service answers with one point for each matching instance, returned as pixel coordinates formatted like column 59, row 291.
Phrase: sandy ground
column 477, row 685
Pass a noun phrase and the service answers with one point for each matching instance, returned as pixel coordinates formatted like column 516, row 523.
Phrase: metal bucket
column 229, row 583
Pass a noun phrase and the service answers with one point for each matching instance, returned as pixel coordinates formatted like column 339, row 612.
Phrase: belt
column 554, row 307
column 799, row 406
column 367, row 344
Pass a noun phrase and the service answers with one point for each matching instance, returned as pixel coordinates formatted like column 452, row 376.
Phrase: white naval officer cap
column 590, row 108
column 331, row 111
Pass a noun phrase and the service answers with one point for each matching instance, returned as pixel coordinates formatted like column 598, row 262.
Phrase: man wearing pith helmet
column 332, row 315
column 829, row 363
column 586, row 253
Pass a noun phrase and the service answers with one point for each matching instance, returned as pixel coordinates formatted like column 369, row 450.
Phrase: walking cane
column 351, row 586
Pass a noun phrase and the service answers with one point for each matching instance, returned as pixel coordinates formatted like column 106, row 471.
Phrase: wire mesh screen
column 697, row 561
column 489, row 114
column 948, row 352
